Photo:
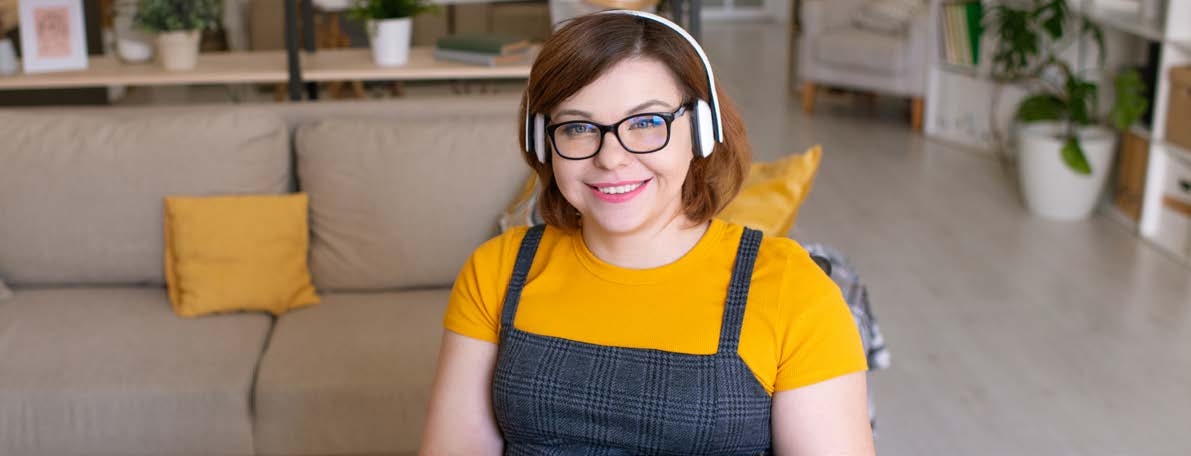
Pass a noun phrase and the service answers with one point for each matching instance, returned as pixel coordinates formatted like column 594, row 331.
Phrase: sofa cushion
column 351, row 375
column 396, row 204
column 82, row 194
column 855, row 48
column 114, row 371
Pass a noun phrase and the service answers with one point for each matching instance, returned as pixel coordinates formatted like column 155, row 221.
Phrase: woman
column 633, row 322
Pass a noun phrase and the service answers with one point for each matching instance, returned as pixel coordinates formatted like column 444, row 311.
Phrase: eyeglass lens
column 640, row 134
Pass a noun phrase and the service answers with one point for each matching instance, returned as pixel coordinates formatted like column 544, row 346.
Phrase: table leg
column 291, row 51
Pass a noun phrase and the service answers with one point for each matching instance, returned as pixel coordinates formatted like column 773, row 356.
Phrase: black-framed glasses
column 639, row 133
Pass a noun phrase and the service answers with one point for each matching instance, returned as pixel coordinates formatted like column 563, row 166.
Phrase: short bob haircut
column 586, row 47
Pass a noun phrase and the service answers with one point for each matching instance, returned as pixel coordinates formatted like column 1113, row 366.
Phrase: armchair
column 834, row 52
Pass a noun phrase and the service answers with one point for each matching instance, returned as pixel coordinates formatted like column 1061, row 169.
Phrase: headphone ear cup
column 539, row 137
column 704, row 130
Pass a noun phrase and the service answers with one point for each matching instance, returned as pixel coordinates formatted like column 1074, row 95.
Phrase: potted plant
column 389, row 24
column 178, row 25
column 1065, row 145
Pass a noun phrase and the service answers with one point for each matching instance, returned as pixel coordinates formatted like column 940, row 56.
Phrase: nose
column 611, row 154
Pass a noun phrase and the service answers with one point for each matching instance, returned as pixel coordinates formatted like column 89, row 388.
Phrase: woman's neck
column 650, row 246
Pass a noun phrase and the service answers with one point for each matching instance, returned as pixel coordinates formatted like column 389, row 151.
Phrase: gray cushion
column 351, row 375
column 82, row 194
column 112, row 371
column 874, row 52
column 397, row 204
column 5, row 293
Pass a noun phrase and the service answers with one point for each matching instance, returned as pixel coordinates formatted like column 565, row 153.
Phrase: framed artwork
column 53, row 37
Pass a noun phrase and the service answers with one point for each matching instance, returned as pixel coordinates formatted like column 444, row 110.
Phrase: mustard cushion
column 237, row 253
column 768, row 200
column 772, row 193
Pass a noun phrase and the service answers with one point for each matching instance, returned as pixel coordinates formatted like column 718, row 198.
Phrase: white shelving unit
column 957, row 101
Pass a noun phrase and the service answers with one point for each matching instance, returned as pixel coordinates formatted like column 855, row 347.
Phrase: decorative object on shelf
column 390, row 27
column 133, row 45
column 178, row 24
column 483, row 49
column 1064, row 149
column 53, row 38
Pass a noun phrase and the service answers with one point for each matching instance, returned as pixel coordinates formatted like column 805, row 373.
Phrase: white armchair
column 834, row 52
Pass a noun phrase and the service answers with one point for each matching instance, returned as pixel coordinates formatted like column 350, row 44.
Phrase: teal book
column 486, row 43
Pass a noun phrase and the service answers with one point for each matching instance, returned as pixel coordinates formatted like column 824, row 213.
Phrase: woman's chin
column 615, row 222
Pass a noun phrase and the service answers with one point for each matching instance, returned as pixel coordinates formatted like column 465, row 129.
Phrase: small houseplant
column 178, row 25
column 1065, row 146
column 390, row 27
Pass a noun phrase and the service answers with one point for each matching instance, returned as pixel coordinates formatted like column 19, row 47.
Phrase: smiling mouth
column 619, row 189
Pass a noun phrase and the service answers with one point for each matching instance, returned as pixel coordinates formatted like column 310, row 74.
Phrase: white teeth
column 620, row 188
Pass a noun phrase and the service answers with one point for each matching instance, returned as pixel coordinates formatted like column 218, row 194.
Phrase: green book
column 975, row 12
column 487, row 43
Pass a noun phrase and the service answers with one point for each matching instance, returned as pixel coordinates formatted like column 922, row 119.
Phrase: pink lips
column 620, row 198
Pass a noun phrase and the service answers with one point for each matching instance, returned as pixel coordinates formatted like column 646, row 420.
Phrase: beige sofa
column 92, row 359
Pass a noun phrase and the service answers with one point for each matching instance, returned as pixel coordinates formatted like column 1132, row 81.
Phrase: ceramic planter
column 390, row 40
column 1052, row 189
column 178, row 51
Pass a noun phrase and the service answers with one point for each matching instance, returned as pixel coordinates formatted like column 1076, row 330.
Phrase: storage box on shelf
column 1178, row 110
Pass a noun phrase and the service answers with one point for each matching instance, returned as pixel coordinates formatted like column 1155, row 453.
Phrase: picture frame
column 53, row 37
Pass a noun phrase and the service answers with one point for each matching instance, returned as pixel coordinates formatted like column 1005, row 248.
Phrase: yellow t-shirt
column 797, row 329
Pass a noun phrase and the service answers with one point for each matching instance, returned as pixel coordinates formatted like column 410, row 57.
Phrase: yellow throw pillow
column 769, row 199
column 237, row 253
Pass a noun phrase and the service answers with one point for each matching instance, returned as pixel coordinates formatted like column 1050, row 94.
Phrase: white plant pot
column 1051, row 188
column 178, row 51
column 390, row 40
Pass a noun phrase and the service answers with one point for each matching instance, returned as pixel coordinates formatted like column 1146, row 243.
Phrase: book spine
column 975, row 11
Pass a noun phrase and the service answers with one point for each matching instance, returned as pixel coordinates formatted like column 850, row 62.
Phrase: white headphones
column 705, row 119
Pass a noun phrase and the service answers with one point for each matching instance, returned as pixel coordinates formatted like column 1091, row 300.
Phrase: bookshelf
column 958, row 99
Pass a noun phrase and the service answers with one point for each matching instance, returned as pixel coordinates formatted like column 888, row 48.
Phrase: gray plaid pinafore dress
column 554, row 396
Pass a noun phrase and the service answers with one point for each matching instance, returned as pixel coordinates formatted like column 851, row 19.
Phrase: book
column 481, row 58
column 486, row 43
column 975, row 12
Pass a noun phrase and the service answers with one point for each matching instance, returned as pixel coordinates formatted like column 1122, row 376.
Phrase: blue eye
column 577, row 129
column 650, row 121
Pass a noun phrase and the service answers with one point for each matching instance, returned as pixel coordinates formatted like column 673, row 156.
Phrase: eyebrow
column 636, row 109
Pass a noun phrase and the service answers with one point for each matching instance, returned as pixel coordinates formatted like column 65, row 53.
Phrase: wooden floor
column 1010, row 335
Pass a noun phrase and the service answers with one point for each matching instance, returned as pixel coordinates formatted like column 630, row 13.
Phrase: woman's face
column 617, row 190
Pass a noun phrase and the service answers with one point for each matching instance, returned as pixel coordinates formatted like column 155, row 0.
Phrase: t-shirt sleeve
column 478, row 294
column 818, row 339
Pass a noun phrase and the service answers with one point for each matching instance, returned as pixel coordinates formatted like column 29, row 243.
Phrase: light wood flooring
column 1010, row 335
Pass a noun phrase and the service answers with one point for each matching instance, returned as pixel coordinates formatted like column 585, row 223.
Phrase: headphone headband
column 715, row 99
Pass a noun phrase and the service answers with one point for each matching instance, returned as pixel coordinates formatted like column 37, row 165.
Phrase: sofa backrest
column 81, row 192
column 402, row 203
column 401, row 191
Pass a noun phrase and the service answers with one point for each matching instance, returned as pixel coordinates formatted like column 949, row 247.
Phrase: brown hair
column 579, row 53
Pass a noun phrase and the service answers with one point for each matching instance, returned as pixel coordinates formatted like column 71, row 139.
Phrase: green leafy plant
column 1030, row 36
column 159, row 16
column 388, row 9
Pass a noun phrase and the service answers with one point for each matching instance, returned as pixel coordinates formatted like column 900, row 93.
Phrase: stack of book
column 960, row 23
column 482, row 49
